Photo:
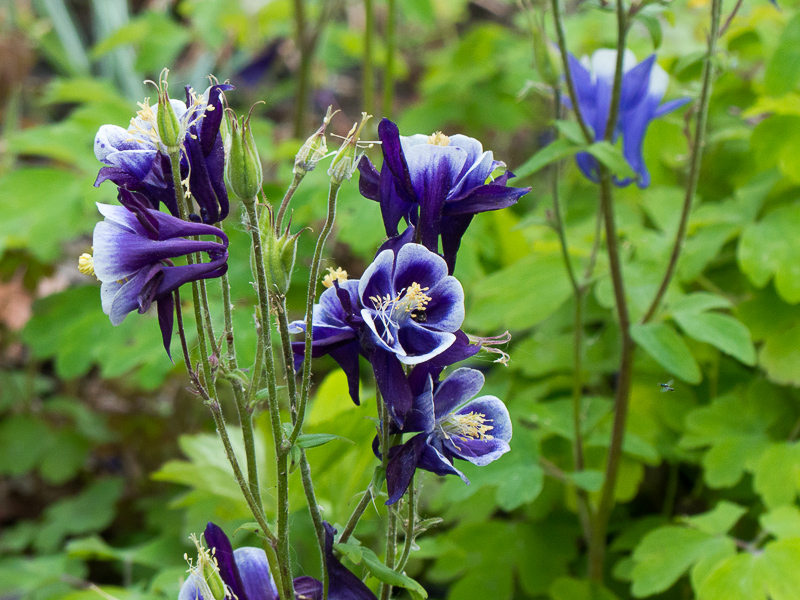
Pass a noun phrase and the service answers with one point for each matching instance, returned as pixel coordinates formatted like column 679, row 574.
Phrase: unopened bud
column 169, row 127
column 345, row 163
column 243, row 168
column 315, row 148
column 279, row 251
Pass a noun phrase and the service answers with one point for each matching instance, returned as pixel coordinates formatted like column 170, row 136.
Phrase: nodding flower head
column 345, row 163
column 137, row 158
column 643, row 87
column 451, row 424
column 315, row 147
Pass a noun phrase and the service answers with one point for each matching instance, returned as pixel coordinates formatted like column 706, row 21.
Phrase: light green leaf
column 719, row 520
column 778, row 474
column 721, row 331
column 611, row 157
column 698, row 302
column 783, row 70
column 551, row 153
column 572, row 131
column 579, row 589
column 589, row 479
column 733, row 579
column 668, row 349
column 782, row 522
column 380, row 570
column 312, row 440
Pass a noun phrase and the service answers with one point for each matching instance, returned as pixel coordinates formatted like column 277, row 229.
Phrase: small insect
column 667, row 387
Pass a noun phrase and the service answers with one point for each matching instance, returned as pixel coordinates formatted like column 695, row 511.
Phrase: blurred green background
column 107, row 462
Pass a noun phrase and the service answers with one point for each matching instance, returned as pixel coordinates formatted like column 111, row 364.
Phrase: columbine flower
column 245, row 573
column 451, row 425
column 132, row 251
column 137, row 159
column 643, row 87
column 438, row 183
column 405, row 309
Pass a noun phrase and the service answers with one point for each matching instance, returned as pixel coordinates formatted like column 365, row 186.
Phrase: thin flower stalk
column 316, row 516
column 287, row 198
column 410, row 527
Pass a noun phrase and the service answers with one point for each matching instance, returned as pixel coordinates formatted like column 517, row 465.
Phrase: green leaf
column 553, row 152
column 572, row 131
column 778, row 474
column 22, row 439
column 566, row 588
column 379, row 570
column 719, row 520
column 668, row 349
column 611, row 157
column 589, row 479
column 782, row 522
column 312, row 440
column 663, row 556
column 653, row 25
column 721, row 331
column 783, row 69
column 699, row 302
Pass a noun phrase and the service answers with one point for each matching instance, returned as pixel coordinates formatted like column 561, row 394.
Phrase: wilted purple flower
column 132, row 251
column 245, row 572
column 451, row 425
column 643, row 87
column 437, row 183
column 405, row 309
column 137, row 160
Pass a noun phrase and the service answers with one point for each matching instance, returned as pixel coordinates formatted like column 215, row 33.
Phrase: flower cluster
column 404, row 314
column 643, row 87
column 133, row 248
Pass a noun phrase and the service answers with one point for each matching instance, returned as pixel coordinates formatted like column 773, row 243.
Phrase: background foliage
column 108, row 463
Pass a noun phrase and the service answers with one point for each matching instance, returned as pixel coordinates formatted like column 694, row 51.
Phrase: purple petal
column 421, row 417
column 377, row 279
column 478, row 452
column 445, row 311
column 485, row 198
column 422, row 344
column 668, row 107
column 434, row 461
column 256, row 579
column 307, row 588
column 459, row 387
column 392, row 383
column 136, row 162
column 394, row 159
column 417, row 264
column 112, row 138
column 166, row 316
column 402, row 465
column 395, row 243
column 190, row 591
column 223, row 552
column 346, row 356
column 474, row 173
column 634, row 84
column 369, row 181
column 394, row 207
column 343, row 585
column 453, row 229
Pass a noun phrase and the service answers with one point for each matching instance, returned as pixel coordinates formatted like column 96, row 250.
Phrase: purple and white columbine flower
column 437, row 183
column 643, row 87
column 137, row 160
column 452, row 425
column 245, row 572
column 405, row 309
column 131, row 257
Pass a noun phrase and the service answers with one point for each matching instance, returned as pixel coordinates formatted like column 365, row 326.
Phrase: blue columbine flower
column 137, row 160
column 643, row 87
column 245, row 573
column 404, row 310
column 438, row 183
column 132, row 249
column 451, row 425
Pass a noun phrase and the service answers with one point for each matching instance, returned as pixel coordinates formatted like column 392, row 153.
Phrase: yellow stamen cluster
column 337, row 274
column 86, row 263
column 438, row 139
column 470, row 425
column 416, row 298
column 206, row 571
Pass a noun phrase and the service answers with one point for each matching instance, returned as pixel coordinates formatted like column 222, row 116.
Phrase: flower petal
column 256, row 579
column 422, row 344
column 112, row 138
column 392, row 383
column 223, row 552
column 445, row 311
column 458, row 388
column 417, row 264
column 377, row 279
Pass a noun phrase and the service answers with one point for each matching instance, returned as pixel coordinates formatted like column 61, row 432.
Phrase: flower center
column 333, row 275
column 471, row 425
column 409, row 302
column 86, row 263
column 438, row 139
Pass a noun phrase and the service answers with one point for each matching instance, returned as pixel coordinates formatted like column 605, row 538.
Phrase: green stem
column 316, row 517
column 288, row 356
column 281, row 453
column 287, row 198
column 368, row 83
column 410, row 525
column 696, row 158
column 388, row 74
column 561, row 38
column 333, row 193
column 355, row 517
column 391, row 550
column 255, row 382
column 209, row 327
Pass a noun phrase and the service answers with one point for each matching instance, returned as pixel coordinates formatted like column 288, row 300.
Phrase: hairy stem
column 698, row 146
column 287, row 198
column 316, row 517
column 359, row 510
column 333, row 193
column 391, row 551
column 410, row 525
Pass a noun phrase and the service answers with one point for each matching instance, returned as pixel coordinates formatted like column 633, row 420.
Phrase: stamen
column 86, row 263
column 337, row 274
column 471, row 425
column 438, row 139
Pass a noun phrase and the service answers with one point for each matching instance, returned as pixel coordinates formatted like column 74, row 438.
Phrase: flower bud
column 169, row 127
column 206, row 573
column 345, row 163
column 279, row 251
column 315, row 148
column 243, row 168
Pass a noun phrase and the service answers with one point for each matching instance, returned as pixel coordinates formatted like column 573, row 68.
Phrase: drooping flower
column 132, row 249
column 437, row 183
column 451, row 425
column 405, row 309
column 137, row 157
column 643, row 87
column 246, row 575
